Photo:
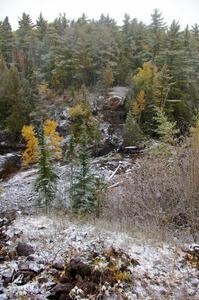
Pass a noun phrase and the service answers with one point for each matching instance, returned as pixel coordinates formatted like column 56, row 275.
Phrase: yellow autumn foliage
column 139, row 104
column 79, row 111
column 80, row 115
column 43, row 88
column 30, row 154
column 148, row 79
column 53, row 138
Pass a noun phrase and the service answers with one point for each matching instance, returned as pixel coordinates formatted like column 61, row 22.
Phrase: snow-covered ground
column 162, row 273
column 18, row 193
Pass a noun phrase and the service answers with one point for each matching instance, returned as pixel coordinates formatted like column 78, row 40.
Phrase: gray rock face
column 9, row 163
column 113, row 113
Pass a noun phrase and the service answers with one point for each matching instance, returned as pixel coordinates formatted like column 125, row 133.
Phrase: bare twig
column 113, row 174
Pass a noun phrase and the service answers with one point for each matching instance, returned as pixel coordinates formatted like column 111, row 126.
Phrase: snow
column 161, row 273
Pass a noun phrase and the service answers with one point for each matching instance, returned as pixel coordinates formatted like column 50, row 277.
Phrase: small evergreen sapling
column 85, row 183
column 165, row 128
column 47, row 178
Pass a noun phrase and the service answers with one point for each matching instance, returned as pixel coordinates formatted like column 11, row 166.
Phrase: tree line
column 158, row 60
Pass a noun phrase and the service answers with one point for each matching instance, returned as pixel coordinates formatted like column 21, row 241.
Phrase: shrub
column 162, row 193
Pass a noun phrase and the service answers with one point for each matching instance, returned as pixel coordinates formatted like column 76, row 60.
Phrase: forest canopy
column 50, row 58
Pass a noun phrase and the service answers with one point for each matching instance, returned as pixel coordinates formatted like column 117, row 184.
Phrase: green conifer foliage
column 14, row 102
column 85, row 183
column 133, row 135
column 6, row 40
column 47, row 177
column 165, row 128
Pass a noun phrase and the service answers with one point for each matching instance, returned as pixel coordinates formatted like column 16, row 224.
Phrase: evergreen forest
column 52, row 58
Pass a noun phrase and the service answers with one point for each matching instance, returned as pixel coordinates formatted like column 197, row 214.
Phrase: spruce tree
column 47, row 177
column 85, row 183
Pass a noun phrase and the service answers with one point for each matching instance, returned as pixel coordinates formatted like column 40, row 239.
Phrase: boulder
column 24, row 249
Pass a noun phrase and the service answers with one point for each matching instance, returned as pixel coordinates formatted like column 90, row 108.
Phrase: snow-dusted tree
column 165, row 128
column 86, row 184
column 47, row 178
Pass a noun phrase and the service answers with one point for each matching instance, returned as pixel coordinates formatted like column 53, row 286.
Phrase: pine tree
column 41, row 25
column 157, row 34
column 47, row 178
column 26, row 44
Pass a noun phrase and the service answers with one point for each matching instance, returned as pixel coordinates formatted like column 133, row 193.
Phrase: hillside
column 99, row 171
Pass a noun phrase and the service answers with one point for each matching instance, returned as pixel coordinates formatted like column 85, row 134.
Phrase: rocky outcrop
column 112, row 115
column 9, row 163
column 8, row 143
